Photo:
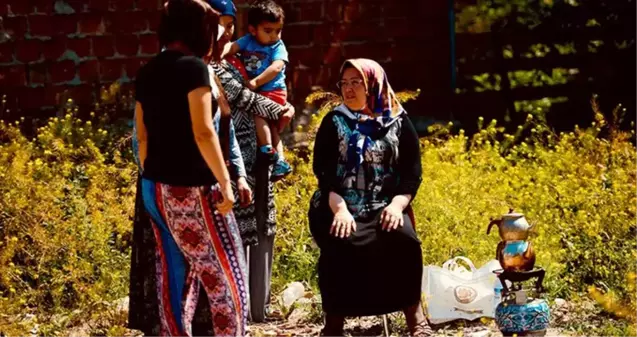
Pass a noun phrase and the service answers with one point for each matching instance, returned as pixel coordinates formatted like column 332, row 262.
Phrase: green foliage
column 65, row 220
column 577, row 188
column 67, row 197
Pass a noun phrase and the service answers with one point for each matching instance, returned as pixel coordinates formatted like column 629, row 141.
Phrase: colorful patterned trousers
column 196, row 246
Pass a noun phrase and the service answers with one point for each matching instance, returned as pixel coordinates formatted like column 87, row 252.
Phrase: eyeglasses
column 355, row 83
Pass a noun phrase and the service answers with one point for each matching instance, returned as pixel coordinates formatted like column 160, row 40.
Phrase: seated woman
column 368, row 171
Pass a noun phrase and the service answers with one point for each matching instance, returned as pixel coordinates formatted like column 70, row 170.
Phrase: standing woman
column 256, row 219
column 185, row 185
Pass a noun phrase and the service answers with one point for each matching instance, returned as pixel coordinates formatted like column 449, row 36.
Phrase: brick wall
column 50, row 47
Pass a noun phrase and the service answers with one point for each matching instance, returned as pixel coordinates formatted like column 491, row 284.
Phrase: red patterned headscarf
column 381, row 98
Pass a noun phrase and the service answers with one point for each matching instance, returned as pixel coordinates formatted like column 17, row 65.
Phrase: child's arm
column 267, row 75
column 279, row 59
column 230, row 49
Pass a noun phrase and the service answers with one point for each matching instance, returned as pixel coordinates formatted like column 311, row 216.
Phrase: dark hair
column 192, row 22
column 265, row 11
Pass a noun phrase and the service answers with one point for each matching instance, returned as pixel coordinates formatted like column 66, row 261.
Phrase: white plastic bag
column 455, row 292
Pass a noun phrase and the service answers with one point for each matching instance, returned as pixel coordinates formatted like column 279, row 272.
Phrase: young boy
column 264, row 56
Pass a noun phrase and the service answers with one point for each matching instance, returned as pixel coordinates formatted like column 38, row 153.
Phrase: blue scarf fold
column 365, row 129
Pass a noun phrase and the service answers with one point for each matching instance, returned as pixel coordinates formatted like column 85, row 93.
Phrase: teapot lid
column 513, row 216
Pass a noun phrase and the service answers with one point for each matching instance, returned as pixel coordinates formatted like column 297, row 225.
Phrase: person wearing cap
column 257, row 221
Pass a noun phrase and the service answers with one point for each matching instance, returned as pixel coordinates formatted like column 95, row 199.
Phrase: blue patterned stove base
column 515, row 318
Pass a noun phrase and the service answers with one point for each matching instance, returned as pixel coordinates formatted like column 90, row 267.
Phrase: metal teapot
column 515, row 255
column 512, row 227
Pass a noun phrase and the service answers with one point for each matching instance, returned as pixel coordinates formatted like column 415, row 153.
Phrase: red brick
column 81, row 94
column 350, row 12
column 403, row 52
column 16, row 27
column 54, row 48
column 127, row 22
column 307, row 56
column 89, row 71
column 79, row 6
column 375, row 51
column 62, row 71
column 98, row 5
column 43, row 6
column 401, row 28
column 31, row 98
column 103, row 46
column 19, row 7
column 370, row 9
column 311, row 11
column 332, row 54
column 28, row 50
column 333, row 12
column 81, row 46
column 414, row 9
column 122, row 5
column 365, row 30
column 149, row 5
column 37, row 73
column 126, row 45
column 92, row 23
column 12, row 76
column 153, row 22
column 111, row 70
column 149, row 44
column 132, row 66
column 6, row 52
column 291, row 11
column 40, row 25
column 322, row 34
column 321, row 77
column 64, row 24
column 52, row 95
column 297, row 35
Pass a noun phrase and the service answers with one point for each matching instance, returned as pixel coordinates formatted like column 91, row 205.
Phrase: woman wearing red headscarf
column 368, row 172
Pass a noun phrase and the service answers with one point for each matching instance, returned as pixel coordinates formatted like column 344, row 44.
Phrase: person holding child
column 264, row 57
column 257, row 221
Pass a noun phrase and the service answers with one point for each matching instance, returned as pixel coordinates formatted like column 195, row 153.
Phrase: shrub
column 576, row 188
column 67, row 197
column 66, row 201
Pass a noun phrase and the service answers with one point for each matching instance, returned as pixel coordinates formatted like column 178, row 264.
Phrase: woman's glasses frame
column 355, row 83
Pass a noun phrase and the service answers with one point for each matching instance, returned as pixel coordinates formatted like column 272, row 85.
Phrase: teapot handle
column 493, row 222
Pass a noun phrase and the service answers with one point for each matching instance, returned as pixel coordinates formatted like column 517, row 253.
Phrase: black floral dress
column 371, row 272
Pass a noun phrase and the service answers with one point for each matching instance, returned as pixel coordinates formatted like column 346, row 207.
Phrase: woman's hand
column 392, row 217
column 343, row 224
column 245, row 193
column 225, row 206
column 286, row 117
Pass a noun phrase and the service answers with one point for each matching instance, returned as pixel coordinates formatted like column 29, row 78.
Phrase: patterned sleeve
column 236, row 159
column 242, row 98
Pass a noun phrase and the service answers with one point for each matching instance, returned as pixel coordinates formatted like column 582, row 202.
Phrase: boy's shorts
column 280, row 95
